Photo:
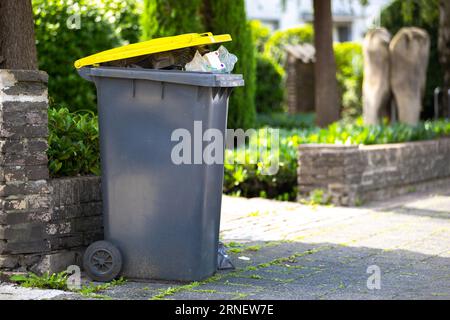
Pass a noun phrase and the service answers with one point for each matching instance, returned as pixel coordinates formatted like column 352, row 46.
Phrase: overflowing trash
column 187, row 52
column 196, row 59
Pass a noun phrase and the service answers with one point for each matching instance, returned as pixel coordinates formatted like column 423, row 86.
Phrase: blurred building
column 351, row 19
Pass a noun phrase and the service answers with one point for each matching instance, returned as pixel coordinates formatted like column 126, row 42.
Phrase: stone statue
column 409, row 52
column 376, row 86
column 395, row 74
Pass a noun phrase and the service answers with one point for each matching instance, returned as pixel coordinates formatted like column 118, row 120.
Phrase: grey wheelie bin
column 161, row 218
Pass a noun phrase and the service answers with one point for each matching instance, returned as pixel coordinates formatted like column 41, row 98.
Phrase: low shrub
column 73, row 143
column 356, row 133
column 249, row 180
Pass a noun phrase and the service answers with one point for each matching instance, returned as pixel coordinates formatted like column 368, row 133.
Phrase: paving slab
column 286, row 251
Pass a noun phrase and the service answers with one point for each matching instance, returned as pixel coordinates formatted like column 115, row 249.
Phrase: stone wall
column 76, row 220
column 352, row 175
column 24, row 190
column 44, row 224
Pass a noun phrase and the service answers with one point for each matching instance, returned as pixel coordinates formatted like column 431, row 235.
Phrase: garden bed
column 353, row 175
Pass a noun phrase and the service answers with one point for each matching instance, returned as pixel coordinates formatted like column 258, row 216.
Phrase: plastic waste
column 213, row 61
column 169, row 60
column 197, row 64
column 217, row 61
column 223, row 260
column 228, row 59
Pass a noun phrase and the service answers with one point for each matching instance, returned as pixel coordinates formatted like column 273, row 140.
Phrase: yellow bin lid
column 153, row 46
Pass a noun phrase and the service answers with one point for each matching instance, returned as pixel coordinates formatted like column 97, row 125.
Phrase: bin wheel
column 102, row 261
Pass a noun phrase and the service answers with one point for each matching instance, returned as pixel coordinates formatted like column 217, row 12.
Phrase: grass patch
column 235, row 247
column 233, row 244
column 204, row 290
column 91, row 290
column 279, row 261
column 171, row 291
column 253, row 248
column 240, row 296
column 56, row 281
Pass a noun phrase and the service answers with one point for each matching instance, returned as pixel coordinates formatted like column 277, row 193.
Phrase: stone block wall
column 44, row 224
column 76, row 220
column 352, row 175
column 24, row 189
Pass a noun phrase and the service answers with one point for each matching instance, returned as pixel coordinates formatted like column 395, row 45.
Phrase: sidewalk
column 292, row 251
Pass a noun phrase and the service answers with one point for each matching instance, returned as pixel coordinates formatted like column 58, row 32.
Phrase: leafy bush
column 279, row 39
column 248, row 180
column 103, row 24
column 269, row 85
column 423, row 14
column 73, row 143
column 349, row 61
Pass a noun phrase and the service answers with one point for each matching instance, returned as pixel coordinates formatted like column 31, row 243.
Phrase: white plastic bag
column 197, row 64
column 217, row 61
column 228, row 59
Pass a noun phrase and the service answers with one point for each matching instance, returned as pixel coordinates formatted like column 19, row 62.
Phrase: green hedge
column 103, row 25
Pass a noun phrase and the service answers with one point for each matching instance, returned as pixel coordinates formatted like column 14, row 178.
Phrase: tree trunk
column 17, row 44
column 326, row 91
column 444, row 50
